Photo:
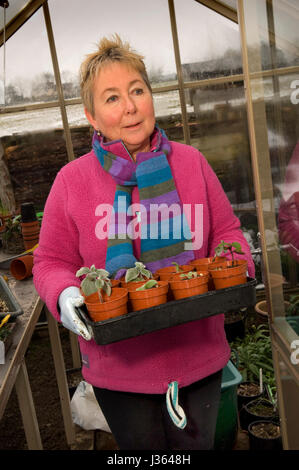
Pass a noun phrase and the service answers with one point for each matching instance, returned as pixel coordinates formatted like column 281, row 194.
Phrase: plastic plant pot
column 253, row 389
column 202, row 264
column 136, row 284
column 230, row 275
column 142, row 299
column 21, row 268
column 182, row 288
column 114, row 305
column 166, row 272
column 248, row 414
column 264, row 435
column 30, row 225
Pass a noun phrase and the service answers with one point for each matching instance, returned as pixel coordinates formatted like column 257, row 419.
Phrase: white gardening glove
column 68, row 299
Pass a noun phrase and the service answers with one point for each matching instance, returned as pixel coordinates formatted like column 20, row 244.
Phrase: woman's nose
column 130, row 106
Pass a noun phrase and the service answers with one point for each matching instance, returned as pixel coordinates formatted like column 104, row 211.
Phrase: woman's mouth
column 133, row 126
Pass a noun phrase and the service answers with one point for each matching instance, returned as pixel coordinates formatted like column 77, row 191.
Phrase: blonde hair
column 109, row 50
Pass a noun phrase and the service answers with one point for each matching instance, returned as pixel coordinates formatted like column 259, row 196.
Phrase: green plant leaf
column 148, row 285
column 82, row 271
column 88, row 287
column 177, row 267
column 131, row 274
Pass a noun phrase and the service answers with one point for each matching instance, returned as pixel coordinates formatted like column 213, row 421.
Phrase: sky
column 79, row 25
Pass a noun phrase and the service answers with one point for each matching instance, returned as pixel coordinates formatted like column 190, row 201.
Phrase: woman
column 288, row 215
column 132, row 158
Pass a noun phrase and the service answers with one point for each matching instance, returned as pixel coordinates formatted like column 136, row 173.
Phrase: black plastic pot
column 263, row 443
column 244, row 399
column 28, row 212
column 247, row 416
column 234, row 330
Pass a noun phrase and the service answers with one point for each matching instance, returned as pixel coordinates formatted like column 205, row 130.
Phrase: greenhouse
column 209, row 91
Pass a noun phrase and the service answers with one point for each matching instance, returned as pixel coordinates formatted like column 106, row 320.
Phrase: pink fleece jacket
column 68, row 241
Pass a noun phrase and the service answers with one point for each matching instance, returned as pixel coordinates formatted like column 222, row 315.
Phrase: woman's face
column 123, row 107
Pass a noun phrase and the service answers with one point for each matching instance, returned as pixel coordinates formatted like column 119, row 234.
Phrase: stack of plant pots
column 30, row 225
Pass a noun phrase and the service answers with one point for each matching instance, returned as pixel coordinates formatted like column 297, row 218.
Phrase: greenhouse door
column 270, row 50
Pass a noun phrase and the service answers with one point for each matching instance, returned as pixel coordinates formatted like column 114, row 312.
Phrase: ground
column 43, row 383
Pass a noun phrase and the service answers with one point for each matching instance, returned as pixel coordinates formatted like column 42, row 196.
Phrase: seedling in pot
column 177, row 267
column 191, row 275
column 96, row 280
column 138, row 273
column 232, row 248
column 148, row 285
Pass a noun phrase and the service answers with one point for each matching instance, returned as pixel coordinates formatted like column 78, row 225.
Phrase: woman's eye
column 112, row 99
column 138, row 91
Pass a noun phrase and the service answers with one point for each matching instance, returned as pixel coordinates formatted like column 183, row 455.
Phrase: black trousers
column 141, row 421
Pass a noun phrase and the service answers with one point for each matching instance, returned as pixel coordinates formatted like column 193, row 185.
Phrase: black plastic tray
column 13, row 305
column 171, row 313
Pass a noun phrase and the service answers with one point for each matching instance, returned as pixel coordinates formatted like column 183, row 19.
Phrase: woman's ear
column 90, row 119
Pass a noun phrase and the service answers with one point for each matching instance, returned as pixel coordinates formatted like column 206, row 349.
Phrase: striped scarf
column 164, row 229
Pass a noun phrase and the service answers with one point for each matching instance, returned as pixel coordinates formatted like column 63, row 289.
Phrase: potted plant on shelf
column 137, row 275
column 203, row 264
column 233, row 272
column 262, row 310
column 149, row 294
column 12, row 240
column 264, row 435
column 189, row 284
column 101, row 299
column 234, row 324
column 166, row 272
column 5, row 215
column 248, row 391
column 259, row 409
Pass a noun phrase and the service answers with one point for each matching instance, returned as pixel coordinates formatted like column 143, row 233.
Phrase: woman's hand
column 68, row 300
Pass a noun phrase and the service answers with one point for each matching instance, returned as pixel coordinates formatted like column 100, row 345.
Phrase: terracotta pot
column 115, row 282
column 261, row 309
column 21, row 267
column 136, row 284
column 182, row 288
column 149, row 297
column 205, row 264
column 30, row 232
column 202, row 264
column 166, row 272
column 113, row 305
column 229, row 276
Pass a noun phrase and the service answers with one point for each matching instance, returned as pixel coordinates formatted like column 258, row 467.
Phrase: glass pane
column 289, row 389
column 135, row 21
column 29, row 71
column 284, row 25
column 230, row 3
column 13, row 9
column 204, row 53
column 218, row 129
column 32, row 141
column 275, row 112
column 33, row 160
